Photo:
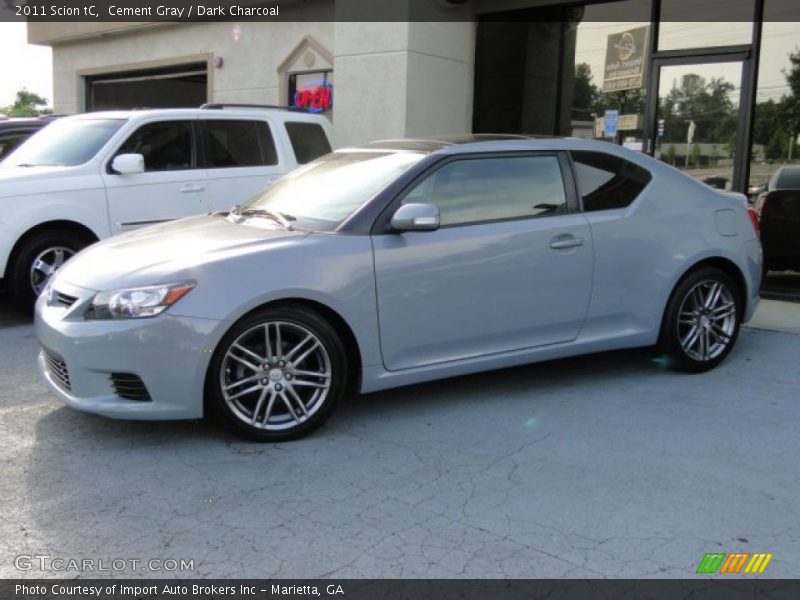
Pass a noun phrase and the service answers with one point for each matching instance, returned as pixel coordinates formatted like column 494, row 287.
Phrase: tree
column 777, row 147
column 27, row 104
column 585, row 94
column 791, row 104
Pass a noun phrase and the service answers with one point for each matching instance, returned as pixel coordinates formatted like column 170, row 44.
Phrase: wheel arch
column 55, row 225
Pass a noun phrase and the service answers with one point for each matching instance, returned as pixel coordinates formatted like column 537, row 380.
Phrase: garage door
column 165, row 87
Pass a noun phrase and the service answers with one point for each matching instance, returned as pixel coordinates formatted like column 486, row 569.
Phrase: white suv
column 89, row 176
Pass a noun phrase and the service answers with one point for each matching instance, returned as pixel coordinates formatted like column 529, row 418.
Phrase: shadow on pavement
column 781, row 285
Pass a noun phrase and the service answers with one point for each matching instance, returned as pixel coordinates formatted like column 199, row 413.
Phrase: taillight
column 754, row 220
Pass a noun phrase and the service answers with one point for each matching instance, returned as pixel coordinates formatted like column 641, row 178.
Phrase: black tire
column 21, row 280
column 717, row 327
column 277, row 384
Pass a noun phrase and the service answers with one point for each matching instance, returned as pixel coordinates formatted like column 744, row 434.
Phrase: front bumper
column 170, row 354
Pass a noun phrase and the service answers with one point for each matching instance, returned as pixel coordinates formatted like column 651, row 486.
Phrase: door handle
column 191, row 188
column 560, row 242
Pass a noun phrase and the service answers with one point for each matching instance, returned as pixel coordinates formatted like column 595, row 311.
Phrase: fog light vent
column 58, row 370
column 129, row 386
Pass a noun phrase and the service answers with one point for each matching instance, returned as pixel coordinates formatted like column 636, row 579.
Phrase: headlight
column 137, row 303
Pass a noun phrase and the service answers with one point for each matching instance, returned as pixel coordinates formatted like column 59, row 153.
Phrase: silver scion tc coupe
column 396, row 263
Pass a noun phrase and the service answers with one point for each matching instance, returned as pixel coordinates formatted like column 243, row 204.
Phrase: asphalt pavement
column 608, row 465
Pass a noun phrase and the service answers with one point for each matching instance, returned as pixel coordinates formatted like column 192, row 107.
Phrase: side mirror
column 128, row 164
column 416, row 217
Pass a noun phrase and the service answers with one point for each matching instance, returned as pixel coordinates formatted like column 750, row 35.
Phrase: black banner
column 399, row 589
column 110, row 11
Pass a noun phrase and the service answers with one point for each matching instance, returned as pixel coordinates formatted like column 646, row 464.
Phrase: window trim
column 202, row 142
column 194, row 145
column 382, row 223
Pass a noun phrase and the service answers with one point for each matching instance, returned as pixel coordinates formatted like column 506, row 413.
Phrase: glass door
column 697, row 118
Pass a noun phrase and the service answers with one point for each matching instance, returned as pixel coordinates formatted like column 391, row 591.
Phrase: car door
column 509, row 268
column 241, row 159
column 171, row 186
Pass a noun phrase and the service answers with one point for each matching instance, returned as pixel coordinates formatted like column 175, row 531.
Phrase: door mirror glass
column 128, row 164
column 416, row 217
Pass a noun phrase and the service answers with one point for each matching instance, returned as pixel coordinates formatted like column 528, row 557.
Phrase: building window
column 776, row 126
column 312, row 90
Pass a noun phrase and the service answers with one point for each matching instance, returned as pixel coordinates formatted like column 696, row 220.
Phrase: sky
column 24, row 65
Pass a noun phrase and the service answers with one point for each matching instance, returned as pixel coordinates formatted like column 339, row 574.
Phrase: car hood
column 23, row 181
column 160, row 253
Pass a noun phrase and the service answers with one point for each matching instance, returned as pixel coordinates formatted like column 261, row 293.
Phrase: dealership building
column 632, row 72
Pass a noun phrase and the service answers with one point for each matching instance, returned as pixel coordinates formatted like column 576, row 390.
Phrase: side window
column 231, row 143
column 9, row 141
column 473, row 190
column 165, row 145
column 606, row 181
column 308, row 141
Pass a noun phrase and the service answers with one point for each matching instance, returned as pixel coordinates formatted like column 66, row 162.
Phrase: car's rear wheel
column 702, row 320
column 277, row 374
column 37, row 261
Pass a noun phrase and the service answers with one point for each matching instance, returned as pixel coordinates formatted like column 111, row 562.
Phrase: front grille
column 129, row 386
column 58, row 370
column 64, row 299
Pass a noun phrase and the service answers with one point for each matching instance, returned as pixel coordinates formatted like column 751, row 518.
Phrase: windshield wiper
column 261, row 212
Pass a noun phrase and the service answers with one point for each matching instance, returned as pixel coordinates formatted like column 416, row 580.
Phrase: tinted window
column 788, row 179
column 308, row 141
column 165, row 146
column 65, row 143
column 9, row 141
column 487, row 189
column 607, row 181
column 239, row 144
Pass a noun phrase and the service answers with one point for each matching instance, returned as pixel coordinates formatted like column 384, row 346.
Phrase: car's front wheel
column 702, row 320
column 277, row 374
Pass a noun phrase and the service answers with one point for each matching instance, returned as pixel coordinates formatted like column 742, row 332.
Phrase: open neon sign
column 316, row 96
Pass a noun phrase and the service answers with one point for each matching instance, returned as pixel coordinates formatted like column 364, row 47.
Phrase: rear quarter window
column 606, row 182
column 308, row 140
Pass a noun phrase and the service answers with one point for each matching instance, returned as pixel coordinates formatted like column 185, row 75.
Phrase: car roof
column 787, row 175
column 471, row 143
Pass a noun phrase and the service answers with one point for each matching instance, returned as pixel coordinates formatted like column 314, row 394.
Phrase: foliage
column 27, row 104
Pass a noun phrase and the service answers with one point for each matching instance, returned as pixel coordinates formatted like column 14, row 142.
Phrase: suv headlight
column 137, row 303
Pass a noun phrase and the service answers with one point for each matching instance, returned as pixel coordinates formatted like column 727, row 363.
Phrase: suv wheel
column 36, row 262
column 277, row 374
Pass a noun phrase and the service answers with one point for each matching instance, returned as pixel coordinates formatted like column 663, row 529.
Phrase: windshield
column 64, row 143
column 321, row 195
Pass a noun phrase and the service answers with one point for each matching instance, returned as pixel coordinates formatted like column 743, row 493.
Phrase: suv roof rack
column 223, row 105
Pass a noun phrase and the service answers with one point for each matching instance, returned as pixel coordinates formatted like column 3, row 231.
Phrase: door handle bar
column 566, row 243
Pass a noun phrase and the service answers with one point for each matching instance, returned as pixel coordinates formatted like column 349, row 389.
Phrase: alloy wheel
column 46, row 263
column 707, row 320
column 275, row 376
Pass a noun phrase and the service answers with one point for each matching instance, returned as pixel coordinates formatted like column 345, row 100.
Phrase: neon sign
column 316, row 96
